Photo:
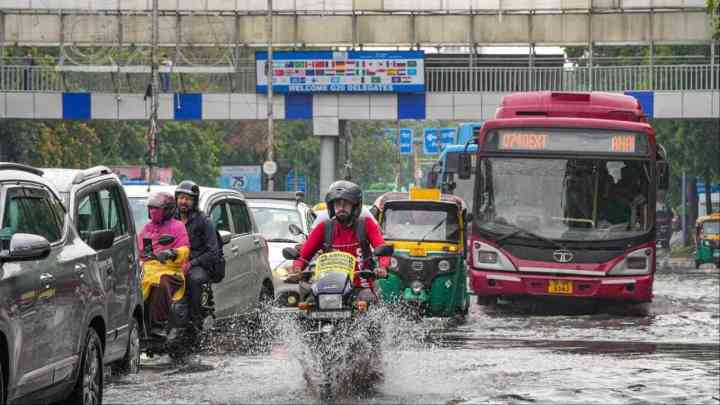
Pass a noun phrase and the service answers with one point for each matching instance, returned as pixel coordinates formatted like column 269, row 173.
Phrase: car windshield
column 138, row 206
column 274, row 223
column 439, row 223
column 711, row 228
column 564, row 199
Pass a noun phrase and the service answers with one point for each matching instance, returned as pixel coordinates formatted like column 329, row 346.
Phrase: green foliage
column 713, row 8
column 191, row 150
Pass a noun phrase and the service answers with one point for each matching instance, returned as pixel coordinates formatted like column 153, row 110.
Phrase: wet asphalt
column 527, row 352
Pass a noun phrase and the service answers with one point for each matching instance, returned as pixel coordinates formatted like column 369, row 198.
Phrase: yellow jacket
column 153, row 270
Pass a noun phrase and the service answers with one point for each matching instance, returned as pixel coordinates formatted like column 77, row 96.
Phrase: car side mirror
column 26, row 246
column 165, row 240
column 464, row 166
column 384, row 250
column 102, row 239
column 225, row 236
column 290, row 253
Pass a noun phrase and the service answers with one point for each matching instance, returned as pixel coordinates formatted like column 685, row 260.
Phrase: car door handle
column 234, row 249
column 80, row 269
column 47, row 280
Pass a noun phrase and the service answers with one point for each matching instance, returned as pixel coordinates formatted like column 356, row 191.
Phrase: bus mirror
column 464, row 166
column 663, row 174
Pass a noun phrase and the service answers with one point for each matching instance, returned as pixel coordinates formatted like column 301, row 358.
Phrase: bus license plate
column 329, row 315
column 560, row 287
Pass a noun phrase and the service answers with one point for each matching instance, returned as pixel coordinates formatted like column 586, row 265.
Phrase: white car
column 274, row 212
column 248, row 280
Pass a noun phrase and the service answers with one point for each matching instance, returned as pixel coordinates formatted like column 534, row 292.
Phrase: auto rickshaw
column 427, row 270
column 707, row 240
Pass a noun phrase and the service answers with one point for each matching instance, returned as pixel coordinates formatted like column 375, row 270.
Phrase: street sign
column 269, row 167
column 295, row 183
column 405, row 142
column 435, row 139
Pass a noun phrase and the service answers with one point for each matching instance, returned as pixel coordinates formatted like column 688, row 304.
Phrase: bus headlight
column 637, row 262
column 488, row 257
column 444, row 265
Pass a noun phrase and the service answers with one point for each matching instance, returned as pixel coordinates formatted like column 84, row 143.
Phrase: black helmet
column 190, row 188
column 344, row 190
column 164, row 200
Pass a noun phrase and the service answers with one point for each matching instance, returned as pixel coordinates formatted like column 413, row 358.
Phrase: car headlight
column 444, row 265
column 416, row 287
column 281, row 271
column 393, row 263
column 330, row 301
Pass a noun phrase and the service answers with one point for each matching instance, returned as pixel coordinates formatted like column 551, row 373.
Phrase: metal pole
column 155, row 87
column 683, row 208
column 270, row 140
column 712, row 65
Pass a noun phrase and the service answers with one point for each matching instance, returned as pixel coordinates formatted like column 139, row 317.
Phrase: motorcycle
column 336, row 322
column 180, row 336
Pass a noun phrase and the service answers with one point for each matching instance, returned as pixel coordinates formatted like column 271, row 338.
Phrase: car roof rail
column 21, row 167
column 90, row 173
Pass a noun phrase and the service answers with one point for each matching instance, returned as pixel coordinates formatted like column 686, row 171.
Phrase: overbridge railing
column 224, row 79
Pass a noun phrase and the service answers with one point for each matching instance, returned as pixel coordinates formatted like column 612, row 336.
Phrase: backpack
column 360, row 232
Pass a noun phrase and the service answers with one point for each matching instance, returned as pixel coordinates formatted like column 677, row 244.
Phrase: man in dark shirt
column 204, row 249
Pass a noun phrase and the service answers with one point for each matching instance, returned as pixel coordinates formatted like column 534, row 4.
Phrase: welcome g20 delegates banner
column 342, row 72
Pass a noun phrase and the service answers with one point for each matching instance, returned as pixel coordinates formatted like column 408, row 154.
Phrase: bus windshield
column 564, row 199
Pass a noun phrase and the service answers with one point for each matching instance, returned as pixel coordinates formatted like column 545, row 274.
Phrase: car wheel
column 130, row 364
column 89, row 387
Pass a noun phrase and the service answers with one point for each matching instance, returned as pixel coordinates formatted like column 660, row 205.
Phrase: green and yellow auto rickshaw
column 427, row 270
column 707, row 240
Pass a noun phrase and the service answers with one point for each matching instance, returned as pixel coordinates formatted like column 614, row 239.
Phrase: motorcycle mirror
column 384, row 250
column 295, row 230
column 166, row 240
column 290, row 253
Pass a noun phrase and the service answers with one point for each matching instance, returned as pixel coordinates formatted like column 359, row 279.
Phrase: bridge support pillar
column 328, row 129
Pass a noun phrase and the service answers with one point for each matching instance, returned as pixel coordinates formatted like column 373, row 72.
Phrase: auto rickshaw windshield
column 427, row 223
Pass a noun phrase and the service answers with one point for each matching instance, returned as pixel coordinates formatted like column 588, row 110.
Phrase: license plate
column 329, row 315
column 560, row 287
column 418, row 252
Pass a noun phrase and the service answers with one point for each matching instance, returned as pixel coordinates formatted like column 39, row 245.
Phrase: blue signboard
column 435, row 139
column 241, row 178
column 405, row 141
column 342, row 72
column 295, row 183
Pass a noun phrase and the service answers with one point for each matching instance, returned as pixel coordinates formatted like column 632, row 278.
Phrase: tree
column 191, row 150
column 713, row 7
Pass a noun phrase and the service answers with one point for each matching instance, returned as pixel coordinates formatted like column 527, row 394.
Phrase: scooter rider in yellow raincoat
column 165, row 248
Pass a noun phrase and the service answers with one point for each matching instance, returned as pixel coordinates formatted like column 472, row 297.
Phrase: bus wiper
column 519, row 231
column 431, row 231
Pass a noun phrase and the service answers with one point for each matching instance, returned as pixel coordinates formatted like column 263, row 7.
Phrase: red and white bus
column 564, row 198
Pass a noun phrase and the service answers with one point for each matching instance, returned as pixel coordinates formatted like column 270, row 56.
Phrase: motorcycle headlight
column 330, row 301
column 443, row 265
column 393, row 263
column 416, row 287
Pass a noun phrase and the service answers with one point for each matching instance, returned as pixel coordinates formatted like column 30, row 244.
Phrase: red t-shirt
column 343, row 240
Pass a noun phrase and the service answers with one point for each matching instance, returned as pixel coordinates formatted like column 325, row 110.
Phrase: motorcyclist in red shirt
column 344, row 205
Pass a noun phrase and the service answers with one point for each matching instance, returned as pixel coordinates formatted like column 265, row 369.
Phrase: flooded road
column 669, row 354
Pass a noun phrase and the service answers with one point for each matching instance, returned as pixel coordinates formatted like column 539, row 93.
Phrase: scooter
column 336, row 322
column 179, row 336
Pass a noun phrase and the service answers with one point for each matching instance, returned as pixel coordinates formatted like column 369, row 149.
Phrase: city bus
column 564, row 199
column 445, row 170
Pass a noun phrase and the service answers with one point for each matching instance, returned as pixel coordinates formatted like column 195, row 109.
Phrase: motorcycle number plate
column 329, row 315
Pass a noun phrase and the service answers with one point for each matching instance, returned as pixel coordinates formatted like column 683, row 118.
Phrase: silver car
column 274, row 213
column 248, row 280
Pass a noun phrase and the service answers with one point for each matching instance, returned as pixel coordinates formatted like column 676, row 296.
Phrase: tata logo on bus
column 523, row 141
column 563, row 256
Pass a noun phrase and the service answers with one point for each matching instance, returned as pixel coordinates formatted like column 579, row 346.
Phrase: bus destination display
column 565, row 141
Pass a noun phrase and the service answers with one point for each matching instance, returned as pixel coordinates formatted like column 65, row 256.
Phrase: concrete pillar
column 328, row 129
column 328, row 146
